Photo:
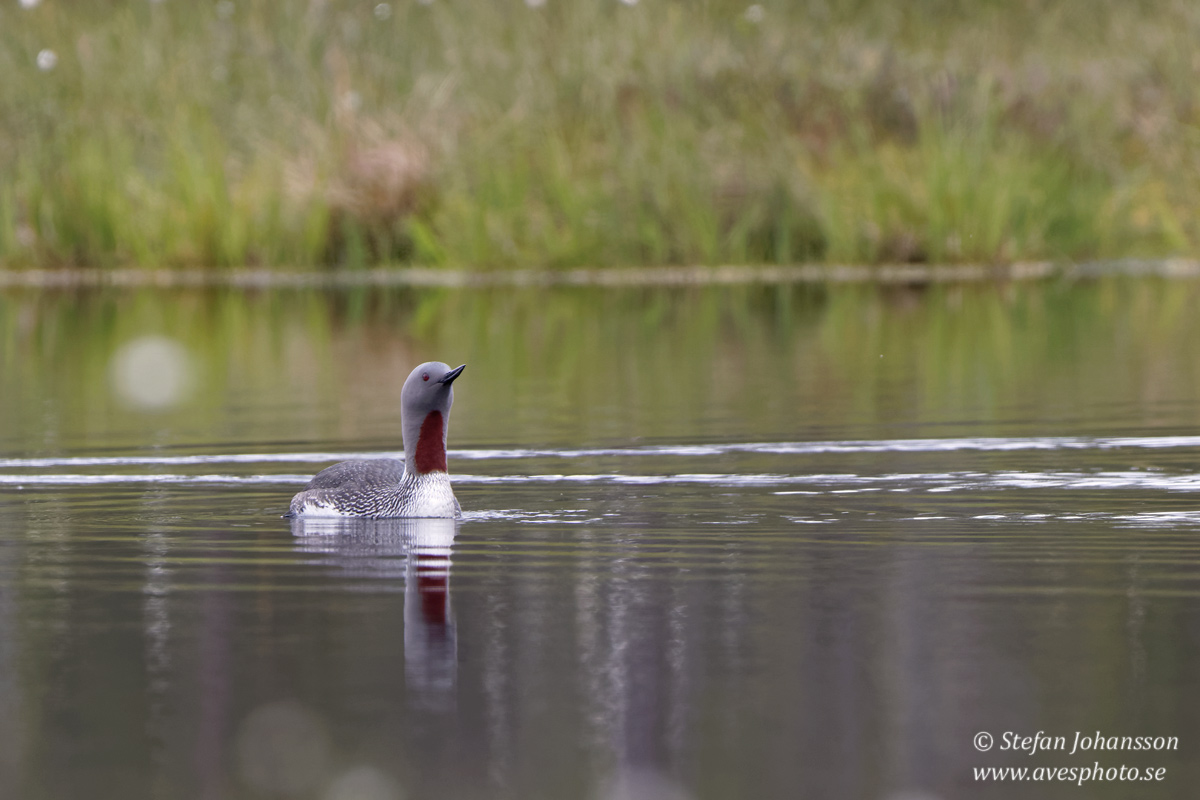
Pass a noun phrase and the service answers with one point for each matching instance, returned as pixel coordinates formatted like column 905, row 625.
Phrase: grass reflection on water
column 588, row 366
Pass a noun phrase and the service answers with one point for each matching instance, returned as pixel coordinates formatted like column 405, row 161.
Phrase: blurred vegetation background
column 566, row 133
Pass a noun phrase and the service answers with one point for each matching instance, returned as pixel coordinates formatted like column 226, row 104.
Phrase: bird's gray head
column 425, row 404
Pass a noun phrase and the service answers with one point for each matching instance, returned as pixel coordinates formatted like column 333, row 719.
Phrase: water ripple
column 819, row 483
column 36, row 479
column 977, row 444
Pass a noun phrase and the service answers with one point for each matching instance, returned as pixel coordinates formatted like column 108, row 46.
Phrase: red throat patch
column 431, row 445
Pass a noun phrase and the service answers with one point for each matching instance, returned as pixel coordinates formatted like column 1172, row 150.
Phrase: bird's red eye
column 425, row 377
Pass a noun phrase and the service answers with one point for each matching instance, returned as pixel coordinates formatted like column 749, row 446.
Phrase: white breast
column 431, row 496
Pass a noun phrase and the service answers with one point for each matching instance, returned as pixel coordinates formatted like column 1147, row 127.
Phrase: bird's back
column 351, row 488
column 377, row 488
column 373, row 472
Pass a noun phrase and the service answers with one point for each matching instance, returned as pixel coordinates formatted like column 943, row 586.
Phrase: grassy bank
column 592, row 133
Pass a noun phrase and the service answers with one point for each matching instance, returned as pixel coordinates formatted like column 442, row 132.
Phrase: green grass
column 487, row 134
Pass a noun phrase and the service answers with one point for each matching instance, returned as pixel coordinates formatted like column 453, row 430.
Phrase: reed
column 575, row 133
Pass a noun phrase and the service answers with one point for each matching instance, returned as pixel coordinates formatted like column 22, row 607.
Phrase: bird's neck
column 430, row 455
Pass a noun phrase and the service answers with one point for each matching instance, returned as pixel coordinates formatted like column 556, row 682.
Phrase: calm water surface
column 770, row 543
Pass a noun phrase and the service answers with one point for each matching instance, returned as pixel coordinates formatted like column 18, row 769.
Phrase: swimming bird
column 381, row 488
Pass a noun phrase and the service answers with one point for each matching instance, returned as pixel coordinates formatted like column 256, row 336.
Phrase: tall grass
column 593, row 133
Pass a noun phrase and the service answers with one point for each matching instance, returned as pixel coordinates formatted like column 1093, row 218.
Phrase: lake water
column 767, row 542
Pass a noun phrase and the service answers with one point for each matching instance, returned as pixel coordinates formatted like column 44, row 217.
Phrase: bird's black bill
column 449, row 377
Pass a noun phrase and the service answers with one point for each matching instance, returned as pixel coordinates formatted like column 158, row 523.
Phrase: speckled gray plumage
column 376, row 488
column 358, row 488
column 368, row 474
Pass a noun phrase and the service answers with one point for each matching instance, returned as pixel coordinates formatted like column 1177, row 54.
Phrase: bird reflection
column 417, row 550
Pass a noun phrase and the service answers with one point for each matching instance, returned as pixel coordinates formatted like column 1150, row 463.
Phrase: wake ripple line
column 940, row 482
column 981, row 444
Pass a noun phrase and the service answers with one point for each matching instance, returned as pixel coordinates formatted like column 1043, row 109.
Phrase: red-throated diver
column 418, row 486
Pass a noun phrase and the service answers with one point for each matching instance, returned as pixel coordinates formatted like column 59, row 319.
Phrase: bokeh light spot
column 364, row 783
column 283, row 748
column 151, row 373
column 642, row 784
